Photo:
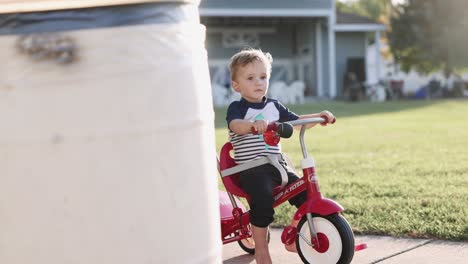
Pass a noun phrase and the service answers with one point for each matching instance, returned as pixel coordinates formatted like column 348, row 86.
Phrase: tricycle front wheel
column 335, row 239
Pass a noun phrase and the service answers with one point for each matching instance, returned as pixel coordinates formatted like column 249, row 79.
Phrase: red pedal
column 360, row 247
column 289, row 235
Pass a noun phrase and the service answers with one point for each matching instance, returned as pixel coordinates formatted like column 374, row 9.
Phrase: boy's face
column 252, row 81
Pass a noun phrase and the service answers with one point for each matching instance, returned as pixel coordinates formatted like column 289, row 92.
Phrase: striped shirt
column 249, row 147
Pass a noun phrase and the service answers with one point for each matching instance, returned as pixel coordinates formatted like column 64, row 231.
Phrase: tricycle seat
column 231, row 182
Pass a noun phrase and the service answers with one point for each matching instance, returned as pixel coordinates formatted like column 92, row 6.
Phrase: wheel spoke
column 305, row 239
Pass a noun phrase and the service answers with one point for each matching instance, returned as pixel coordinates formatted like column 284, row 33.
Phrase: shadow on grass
column 342, row 109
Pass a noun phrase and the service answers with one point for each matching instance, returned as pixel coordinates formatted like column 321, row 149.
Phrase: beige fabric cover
column 110, row 158
column 17, row 6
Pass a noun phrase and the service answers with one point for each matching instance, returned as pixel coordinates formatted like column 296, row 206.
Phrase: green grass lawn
column 398, row 168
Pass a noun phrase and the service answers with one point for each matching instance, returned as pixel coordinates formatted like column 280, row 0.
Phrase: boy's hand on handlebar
column 260, row 126
column 328, row 116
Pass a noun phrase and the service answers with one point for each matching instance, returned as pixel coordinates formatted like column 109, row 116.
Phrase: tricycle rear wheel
column 248, row 244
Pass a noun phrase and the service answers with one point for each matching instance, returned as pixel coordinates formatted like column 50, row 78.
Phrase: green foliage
column 378, row 10
column 398, row 168
column 430, row 34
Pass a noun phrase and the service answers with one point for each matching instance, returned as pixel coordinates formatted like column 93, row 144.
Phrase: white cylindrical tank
column 109, row 157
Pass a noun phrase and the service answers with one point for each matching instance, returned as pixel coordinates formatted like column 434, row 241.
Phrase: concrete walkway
column 383, row 250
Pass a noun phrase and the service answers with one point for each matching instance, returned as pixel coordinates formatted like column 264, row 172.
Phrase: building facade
column 310, row 42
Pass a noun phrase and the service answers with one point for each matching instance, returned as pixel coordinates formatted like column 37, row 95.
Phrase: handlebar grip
column 285, row 130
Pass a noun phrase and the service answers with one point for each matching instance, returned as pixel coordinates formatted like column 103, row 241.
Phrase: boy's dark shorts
column 259, row 183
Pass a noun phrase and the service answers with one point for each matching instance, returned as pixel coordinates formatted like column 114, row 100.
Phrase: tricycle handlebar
column 305, row 121
column 275, row 130
column 313, row 120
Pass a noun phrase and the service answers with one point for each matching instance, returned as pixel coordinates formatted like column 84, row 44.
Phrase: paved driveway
column 384, row 250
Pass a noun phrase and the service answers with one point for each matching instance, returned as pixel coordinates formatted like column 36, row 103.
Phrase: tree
column 378, row 10
column 428, row 35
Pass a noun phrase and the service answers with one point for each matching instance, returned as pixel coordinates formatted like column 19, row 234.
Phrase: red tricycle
column 322, row 234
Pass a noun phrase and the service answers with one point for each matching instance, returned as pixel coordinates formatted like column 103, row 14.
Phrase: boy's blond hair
column 247, row 56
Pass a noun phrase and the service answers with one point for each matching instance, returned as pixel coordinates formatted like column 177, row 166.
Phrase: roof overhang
column 20, row 6
column 264, row 12
column 359, row 27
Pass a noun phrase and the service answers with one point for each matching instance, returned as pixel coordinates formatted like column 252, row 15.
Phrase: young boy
column 250, row 73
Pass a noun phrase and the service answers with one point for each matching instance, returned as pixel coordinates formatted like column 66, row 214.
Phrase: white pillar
column 367, row 59
column 332, row 52
column 377, row 55
column 110, row 159
column 319, row 58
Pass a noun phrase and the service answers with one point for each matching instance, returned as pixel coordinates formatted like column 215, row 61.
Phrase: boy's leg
column 296, row 201
column 258, row 183
column 262, row 254
column 299, row 199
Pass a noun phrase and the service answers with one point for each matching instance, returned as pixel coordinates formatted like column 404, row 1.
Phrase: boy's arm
column 244, row 127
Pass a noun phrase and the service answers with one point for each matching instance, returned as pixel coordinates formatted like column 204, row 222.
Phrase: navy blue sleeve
column 233, row 112
column 285, row 113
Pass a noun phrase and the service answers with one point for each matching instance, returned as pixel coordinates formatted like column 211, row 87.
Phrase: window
column 239, row 39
